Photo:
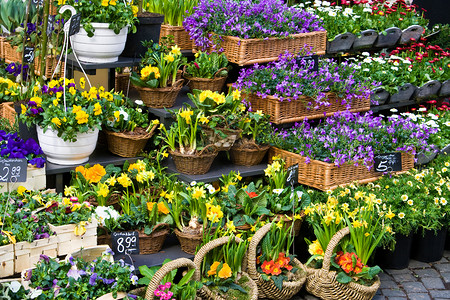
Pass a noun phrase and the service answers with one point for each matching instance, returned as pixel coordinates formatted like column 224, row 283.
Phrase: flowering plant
column 365, row 14
column 68, row 278
column 291, row 77
column 287, row 201
column 353, row 137
column 107, row 218
column 255, row 128
column 117, row 13
column 70, row 113
column 174, row 11
column 350, row 268
column 62, row 211
column 9, row 90
column 13, row 290
column 12, row 146
column 207, row 65
column 248, row 19
column 163, row 72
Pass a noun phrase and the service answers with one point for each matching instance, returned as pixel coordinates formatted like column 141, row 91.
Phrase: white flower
column 393, row 110
column 395, row 117
column 317, row 3
column 332, row 14
column 302, row 5
column 14, row 286
column 338, row 7
column 210, row 188
column 432, row 123
column 139, row 109
column 356, row 67
column 367, row 9
column 139, row 102
column 103, row 213
column 367, row 60
column 348, row 11
column 124, row 114
column 396, row 63
column 394, row 68
column 422, row 109
column 277, row 191
column 310, row 9
column 326, row 3
column 447, row 123
column 366, row 70
column 34, row 293
column 365, row 54
column 432, row 116
column 193, row 183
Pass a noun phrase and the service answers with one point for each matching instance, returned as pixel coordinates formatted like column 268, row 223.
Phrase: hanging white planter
column 104, row 47
column 62, row 152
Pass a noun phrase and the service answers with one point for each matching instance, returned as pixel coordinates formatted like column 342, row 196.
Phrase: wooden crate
column 26, row 254
column 251, row 51
column 288, row 111
column 6, row 260
column 68, row 242
column 36, row 180
column 181, row 37
column 325, row 176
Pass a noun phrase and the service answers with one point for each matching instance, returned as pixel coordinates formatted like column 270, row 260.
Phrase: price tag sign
column 28, row 55
column 310, row 59
column 37, row 2
column 388, row 162
column 13, row 170
column 292, row 175
column 50, row 24
column 75, row 22
column 126, row 242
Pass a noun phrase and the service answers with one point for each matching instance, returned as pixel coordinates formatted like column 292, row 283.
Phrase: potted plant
column 223, row 113
column 104, row 28
column 108, row 221
column 206, row 72
column 218, row 265
column 187, row 146
column 252, row 145
column 174, row 13
column 127, row 128
column 243, row 38
column 278, row 274
column 289, row 90
column 157, row 83
column 67, row 120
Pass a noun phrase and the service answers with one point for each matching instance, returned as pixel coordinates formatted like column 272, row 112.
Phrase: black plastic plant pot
column 445, row 89
column 423, row 158
column 399, row 257
column 411, row 34
column 445, row 150
column 428, row 90
column 380, row 95
column 24, row 132
column 366, row 40
column 341, row 43
column 404, row 93
column 447, row 241
column 430, row 246
column 148, row 29
column 389, row 39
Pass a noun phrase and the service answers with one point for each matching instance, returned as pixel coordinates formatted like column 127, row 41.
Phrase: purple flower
column 108, row 281
column 92, row 279
column 75, row 273
column 45, row 258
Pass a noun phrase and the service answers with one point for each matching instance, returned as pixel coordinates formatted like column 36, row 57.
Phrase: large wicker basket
column 51, row 62
column 163, row 271
column 10, row 53
column 266, row 288
column 214, row 84
column 152, row 243
column 324, row 176
column 2, row 51
column 7, row 112
column 243, row 156
column 126, row 145
column 251, row 51
column 194, row 164
column 181, row 37
column 323, row 284
column 160, row 97
column 296, row 110
column 205, row 292
column 189, row 242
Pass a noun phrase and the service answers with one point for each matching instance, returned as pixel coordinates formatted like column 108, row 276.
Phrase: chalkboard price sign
column 292, row 175
column 13, row 170
column 28, row 54
column 310, row 59
column 37, row 2
column 388, row 162
column 75, row 22
column 126, row 242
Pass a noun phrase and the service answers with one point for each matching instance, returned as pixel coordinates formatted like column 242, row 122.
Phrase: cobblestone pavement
column 420, row 281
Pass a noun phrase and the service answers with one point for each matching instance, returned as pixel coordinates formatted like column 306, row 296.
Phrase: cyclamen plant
column 248, row 19
column 353, row 138
column 291, row 77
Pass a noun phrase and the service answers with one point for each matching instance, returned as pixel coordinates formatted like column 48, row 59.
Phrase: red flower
column 276, row 269
column 196, row 65
column 267, row 267
column 251, row 194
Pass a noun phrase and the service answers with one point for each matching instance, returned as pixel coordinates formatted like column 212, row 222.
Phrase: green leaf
column 148, row 272
column 343, row 278
column 278, row 281
column 235, row 286
column 374, row 271
column 186, row 277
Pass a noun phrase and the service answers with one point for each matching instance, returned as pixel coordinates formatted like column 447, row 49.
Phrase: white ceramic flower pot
column 62, row 152
column 104, row 47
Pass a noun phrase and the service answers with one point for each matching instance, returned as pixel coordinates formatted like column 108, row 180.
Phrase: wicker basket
column 222, row 143
column 287, row 222
column 325, row 176
column 126, row 145
column 51, row 63
column 104, row 239
column 2, row 50
column 323, row 284
column 251, row 51
column 189, row 242
column 194, row 164
column 243, row 156
column 7, row 111
column 152, row 243
column 180, row 36
column 10, row 53
column 266, row 288
column 295, row 110
column 160, row 97
column 163, row 271
column 214, row 84
column 205, row 292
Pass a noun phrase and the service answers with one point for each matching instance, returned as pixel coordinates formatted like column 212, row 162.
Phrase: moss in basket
column 234, row 294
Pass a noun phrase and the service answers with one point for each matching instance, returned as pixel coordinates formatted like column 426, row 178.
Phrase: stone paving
column 419, row 281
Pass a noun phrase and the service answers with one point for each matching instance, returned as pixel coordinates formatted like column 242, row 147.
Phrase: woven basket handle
column 198, row 259
column 160, row 226
column 206, row 147
column 220, row 116
column 256, row 239
column 331, row 245
column 218, row 71
column 163, row 271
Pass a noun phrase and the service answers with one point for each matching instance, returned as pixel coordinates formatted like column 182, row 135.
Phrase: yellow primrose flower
column 111, row 181
column 366, row 234
column 204, row 120
column 135, row 10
